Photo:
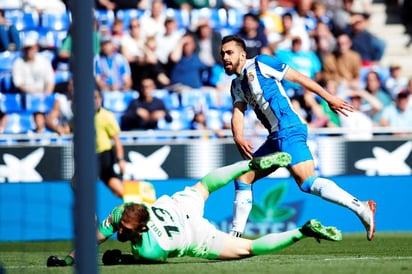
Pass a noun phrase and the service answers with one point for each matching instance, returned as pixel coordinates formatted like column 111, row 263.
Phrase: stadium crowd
column 159, row 67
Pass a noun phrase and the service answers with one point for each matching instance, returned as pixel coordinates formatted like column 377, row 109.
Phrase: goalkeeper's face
column 129, row 232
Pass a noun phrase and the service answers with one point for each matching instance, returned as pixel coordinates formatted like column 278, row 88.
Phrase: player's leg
column 242, row 204
column 237, row 248
column 116, row 186
column 302, row 168
column 107, row 174
column 328, row 190
column 222, row 176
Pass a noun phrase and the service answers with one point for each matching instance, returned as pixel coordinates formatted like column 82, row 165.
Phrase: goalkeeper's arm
column 115, row 257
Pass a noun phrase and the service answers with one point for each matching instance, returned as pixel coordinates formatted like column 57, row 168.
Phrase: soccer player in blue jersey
column 174, row 226
column 258, row 84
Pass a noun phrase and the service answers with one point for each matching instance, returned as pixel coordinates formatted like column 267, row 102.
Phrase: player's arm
column 238, row 117
column 119, row 150
column 335, row 103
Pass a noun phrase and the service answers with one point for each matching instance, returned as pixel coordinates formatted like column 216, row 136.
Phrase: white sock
column 241, row 209
column 331, row 192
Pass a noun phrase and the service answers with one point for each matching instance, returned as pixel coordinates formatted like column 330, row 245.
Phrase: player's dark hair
column 239, row 41
column 135, row 214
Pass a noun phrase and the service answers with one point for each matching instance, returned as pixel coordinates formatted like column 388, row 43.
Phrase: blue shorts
column 291, row 140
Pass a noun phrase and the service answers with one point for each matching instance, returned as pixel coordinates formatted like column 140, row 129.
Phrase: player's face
column 128, row 232
column 97, row 100
column 233, row 58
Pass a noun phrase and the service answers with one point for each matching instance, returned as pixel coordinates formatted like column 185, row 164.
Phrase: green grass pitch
column 387, row 253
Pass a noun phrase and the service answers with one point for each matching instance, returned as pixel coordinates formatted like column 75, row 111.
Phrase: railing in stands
column 158, row 136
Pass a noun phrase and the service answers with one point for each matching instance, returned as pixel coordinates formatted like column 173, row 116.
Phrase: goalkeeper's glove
column 115, row 256
column 56, row 261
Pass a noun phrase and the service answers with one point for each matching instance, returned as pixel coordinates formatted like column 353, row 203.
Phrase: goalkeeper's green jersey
column 176, row 228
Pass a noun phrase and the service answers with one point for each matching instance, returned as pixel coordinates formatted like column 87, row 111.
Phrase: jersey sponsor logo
column 250, row 77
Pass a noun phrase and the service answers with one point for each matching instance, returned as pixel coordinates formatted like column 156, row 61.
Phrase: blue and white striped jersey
column 260, row 86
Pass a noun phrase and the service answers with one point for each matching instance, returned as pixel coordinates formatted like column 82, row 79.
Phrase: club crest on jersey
column 250, row 77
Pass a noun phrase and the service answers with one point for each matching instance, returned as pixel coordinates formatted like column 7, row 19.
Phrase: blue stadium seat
column 127, row 14
column 234, row 19
column 6, row 82
column 55, row 21
column 181, row 120
column 51, row 39
column 7, row 59
column 105, row 17
column 194, row 98
column 11, row 103
column 217, row 17
column 218, row 99
column 118, row 101
column 181, row 16
column 170, row 99
column 22, row 20
column 217, row 118
column 19, row 123
column 61, row 76
column 38, row 102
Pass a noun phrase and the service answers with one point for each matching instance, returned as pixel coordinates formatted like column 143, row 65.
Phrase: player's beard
column 233, row 69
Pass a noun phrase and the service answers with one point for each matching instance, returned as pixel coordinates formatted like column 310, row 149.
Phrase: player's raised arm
column 335, row 103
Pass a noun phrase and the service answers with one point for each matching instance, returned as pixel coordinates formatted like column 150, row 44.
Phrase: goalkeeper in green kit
column 174, row 226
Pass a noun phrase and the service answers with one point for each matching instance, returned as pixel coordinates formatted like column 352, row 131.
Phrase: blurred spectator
column 284, row 39
column 59, row 119
column 193, row 4
column 154, row 21
column 320, row 14
column 408, row 89
column 120, row 4
column 65, row 50
column 370, row 47
column 132, row 48
column 242, row 6
column 361, row 6
column 199, row 122
column 358, row 124
column 330, row 86
column 253, row 33
column 303, row 18
column 310, row 109
column 323, row 41
column 3, row 120
column 145, row 111
column 9, row 36
column 33, row 74
column 207, row 42
column 398, row 114
column 304, row 21
column 151, row 67
column 396, row 82
column 188, row 68
column 304, row 61
column 342, row 17
column 117, row 33
column 208, row 45
column 374, row 87
column 40, row 6
column 169, row 40
column 343, row 65
column 271, row 20
column 112, row 71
